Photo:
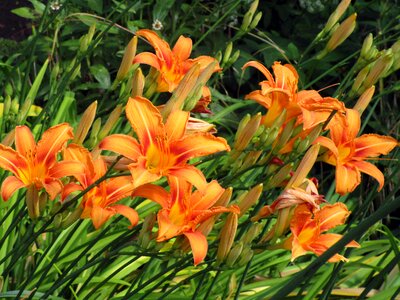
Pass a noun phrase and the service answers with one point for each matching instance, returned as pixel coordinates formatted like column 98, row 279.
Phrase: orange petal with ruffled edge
column 147, row 58
column 190, row 174
column 331, row 216
column 200, row 201
column 325, row 241
column 373, row 145
column 199, row 245
column 196, row 145
column 146, row 120
column 122, row 144
column 100, row 215
column 175, row 126
column 12, row 161
column 153, row 192
column 53, row 139
column 343, row 130
column 9, row 186
column 163, row 51
column 348, row 177
column 371, row 170
column 257, row 96
column 24, row 141
column 128, row 213
column 182, row 48
column 204, row 61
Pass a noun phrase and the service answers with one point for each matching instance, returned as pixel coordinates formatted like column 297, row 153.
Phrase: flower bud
column 250, row 198
column 364, row 100
column 342, row 33
column 227, row 54
column 234, row 254
column 279, row 177
column 335, row 16
column 85, row 123
column 304, row 167
column 138, row 82
column 227, row 236
column 366, row 46
column 129, row 54
column 245, row 133
column 110, row 123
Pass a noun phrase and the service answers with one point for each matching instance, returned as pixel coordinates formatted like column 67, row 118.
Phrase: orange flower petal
column 261, row 99
column 353, row 124
column 70, row 188
column 128, row 213
column 24, row 141
column 199, row 245
column 372, row 145
column 212, row 193
column 182, row 48
column 261, row 68
column 147, row 58
column 175, row 126
column 122, row 144
column 297, row 249
column 348, row 177
column 371, row 170
column 163, row 51
column 331, row 216
column 286, row 77
column 328, row 143
column 100, row 215
column 67, row 168
column 190, row 174
column 166, row 229
column 75, row 152
column 204, row 61
column 196, row 145
column 140, row 174
column 53, row 139
column 118, row 188
column 9, row 186
column 302, row 215
column 12, row 161
column 154, row 192
column 145, row 119
column 52, row 186
column 324, row 242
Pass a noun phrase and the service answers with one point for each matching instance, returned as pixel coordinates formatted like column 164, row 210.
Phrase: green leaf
column 102, row 75
column 96, row 5
column 24, row 12
column 38, row 6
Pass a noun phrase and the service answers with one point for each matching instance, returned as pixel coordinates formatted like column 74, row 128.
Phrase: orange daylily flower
column 99, row 202
column 280, row 92
column 182, row 211
column 164, row 149
column 36, row 164
column 348, row 152
column 308, row 227
column 172, row 65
